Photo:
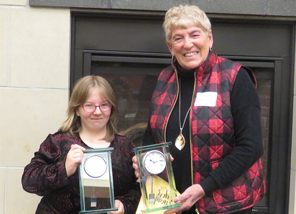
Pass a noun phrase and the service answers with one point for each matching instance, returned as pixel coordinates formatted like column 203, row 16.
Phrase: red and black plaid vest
column 212, row 133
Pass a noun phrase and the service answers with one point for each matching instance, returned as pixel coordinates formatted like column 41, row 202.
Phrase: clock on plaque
column 156, row 177
column 96, row 182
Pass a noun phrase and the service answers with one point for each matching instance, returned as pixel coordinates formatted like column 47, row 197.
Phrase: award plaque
column 157, row 180
column 96, row 182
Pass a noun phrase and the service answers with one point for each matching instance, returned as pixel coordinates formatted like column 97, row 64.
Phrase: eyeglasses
column 90, row 108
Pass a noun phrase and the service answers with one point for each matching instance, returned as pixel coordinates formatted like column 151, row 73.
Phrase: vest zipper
column 164, row 134
column 190, row 131
column 190, row 134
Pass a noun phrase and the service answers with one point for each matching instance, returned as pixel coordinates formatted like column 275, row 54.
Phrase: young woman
column 52, row 172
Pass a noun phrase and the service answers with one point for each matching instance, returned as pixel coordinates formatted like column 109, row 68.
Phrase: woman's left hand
column 188, row 198
column 119, row 206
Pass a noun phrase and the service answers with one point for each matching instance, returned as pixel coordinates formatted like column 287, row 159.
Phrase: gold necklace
column 180, row 140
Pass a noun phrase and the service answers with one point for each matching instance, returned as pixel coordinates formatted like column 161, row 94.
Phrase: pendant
column 180, row 142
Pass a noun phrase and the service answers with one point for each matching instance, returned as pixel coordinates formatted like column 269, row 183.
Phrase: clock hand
column 159, row 160
column 152, row 161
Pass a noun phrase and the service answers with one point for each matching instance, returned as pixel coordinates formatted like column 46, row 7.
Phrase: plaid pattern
column 212, row 133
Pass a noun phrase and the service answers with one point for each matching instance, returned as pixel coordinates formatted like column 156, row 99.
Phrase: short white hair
column 184, row 16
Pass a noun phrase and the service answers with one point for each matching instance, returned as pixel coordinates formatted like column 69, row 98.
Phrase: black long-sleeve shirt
column 245, row 108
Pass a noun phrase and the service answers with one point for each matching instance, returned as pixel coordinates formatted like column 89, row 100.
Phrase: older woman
column 52, row 172
column 209, row 108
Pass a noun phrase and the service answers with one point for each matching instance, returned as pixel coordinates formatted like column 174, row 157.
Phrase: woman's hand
column 74, row 157
column 119, row 206
column 136, row 167
column 188, row 198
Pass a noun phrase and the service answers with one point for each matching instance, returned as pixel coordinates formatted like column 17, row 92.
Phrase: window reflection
column 264, row 88
column 133, row 86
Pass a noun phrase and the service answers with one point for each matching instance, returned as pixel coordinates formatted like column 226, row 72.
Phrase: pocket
column 236, row 193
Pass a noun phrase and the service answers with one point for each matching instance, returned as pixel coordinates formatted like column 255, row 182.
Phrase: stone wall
column 34, row 88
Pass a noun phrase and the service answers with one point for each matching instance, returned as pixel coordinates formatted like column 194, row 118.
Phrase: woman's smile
column 190, row 54
column 96, row 119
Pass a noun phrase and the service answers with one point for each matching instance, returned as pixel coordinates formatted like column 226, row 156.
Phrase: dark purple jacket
column 46, row 176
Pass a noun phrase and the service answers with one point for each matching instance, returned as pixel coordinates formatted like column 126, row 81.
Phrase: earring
column 173, row 59
column 211, row 48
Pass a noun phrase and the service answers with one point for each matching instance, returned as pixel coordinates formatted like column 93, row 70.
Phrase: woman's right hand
column 74, row 157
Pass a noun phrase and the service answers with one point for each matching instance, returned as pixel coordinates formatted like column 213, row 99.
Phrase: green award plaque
column 157, row 180
column 96, row 182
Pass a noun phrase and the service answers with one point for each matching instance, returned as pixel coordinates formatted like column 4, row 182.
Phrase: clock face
column 154, row 162
column 95, row 166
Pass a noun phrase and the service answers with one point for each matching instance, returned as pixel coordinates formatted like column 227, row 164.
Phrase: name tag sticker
column 206, row 99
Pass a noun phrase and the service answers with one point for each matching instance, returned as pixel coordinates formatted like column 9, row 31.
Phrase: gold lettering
column 164, row 197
